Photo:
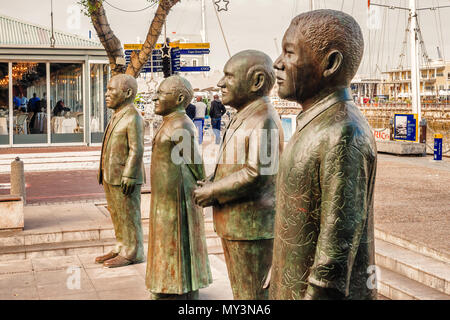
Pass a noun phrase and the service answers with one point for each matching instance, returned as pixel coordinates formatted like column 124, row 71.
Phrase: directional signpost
column 177, row 50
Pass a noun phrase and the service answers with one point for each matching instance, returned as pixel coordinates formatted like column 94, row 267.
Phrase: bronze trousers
column 126, row 217
column 248, row 263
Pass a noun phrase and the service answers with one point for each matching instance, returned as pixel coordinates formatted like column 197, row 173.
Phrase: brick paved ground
column 55, row 186
column 412, row 199
column 47, row 149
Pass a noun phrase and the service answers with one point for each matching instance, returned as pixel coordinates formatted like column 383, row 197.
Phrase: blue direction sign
column 175, row 55
column 193, row 69
column 194, row 51
column 155, row 69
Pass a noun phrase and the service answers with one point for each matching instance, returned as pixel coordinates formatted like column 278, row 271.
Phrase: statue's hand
column 203, row 196
column 128, row 184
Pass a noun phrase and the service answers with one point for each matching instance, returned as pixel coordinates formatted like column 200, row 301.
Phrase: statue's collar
column 173, row 114
column 121, row 111
column 320, row 106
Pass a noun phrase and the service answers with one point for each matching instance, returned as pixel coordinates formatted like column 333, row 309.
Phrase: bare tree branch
column 137, row 61
column 109, row 41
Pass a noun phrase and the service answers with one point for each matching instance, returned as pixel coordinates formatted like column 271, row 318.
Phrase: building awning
column 14, row 32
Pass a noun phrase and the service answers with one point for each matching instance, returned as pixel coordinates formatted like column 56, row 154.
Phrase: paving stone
column 45, row 253
column 55, row 263
column 141, row 268
column 135, row 293
column 88, row 260
column 62, row 288
column 60, row 276
column 15, row 266
column 88, row 250
column 111, row 273
column 92, row 295
column 116, row 283
column 29, row 293
column 17, row 280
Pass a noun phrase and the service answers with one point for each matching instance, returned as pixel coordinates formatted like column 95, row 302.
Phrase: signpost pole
column 415, row 77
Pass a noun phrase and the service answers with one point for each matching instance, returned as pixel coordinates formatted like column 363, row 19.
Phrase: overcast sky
column 250, row 24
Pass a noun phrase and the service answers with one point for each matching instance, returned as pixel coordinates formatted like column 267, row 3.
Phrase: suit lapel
column 114, row 123
column 233, row 127
column 306, row 117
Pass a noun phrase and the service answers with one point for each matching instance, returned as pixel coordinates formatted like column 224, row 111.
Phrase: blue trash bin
column 438, row 147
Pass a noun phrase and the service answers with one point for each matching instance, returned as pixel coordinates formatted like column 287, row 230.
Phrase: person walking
column 216, row 113
column 190, row 111
column 199, row 120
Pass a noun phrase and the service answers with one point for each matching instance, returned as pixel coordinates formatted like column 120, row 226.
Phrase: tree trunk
column 113, row 45
column 137, row 61
column 109, row 41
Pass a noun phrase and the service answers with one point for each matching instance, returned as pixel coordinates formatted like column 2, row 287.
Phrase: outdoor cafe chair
column 21, row 122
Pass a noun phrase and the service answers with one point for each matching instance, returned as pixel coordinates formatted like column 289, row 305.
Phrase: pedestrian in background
column 199, row 120
column 216, row 112
column 190, row 111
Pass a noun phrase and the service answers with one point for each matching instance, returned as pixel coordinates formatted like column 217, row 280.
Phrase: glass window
column 4, row 104
column 66, row 102
column 98, row 83
column 287, row 124
column 29, row 102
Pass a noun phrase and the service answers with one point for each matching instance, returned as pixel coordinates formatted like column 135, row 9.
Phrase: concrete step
column 75, row 232
column 397, row 287
column 413, row 246
column 425, row 270
column 94, row 240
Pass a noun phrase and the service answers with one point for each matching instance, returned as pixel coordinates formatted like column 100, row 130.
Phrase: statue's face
column 114, row 96
column 234, row 84
column 165, row 99
column 298, row 73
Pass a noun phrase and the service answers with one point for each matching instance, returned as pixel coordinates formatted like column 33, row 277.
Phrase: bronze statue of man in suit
column 242, row 188
column 122, row 172
column 324, row 233
column 177, row 263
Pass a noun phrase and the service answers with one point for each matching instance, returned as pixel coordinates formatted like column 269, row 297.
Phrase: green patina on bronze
column 242, row 189
column 177, row 254
column 324, row 233
column 121, row 167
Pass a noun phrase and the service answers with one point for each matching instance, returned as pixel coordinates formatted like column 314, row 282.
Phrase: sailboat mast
column 203, row 31
column 415, row 76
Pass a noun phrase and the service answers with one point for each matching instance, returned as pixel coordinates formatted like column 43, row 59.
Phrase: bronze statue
column 122, row 172
column 324, row 233
column 242, row 188
column 177, row 264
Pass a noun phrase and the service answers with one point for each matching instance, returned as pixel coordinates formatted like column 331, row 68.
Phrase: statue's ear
column 258, row 80
column 333, row 61
column 180, row 99
column 129, row 93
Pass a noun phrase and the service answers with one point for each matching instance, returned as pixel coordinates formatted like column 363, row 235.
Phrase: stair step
column 85, row 242
column 75, row 233
column 397, row 287
column 417, row 247
column 428, row 271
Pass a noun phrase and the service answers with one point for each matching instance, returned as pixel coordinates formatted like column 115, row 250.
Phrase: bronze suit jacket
column 123, row 148
column 177, row 253
column 324, row 232
column 244, row 178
